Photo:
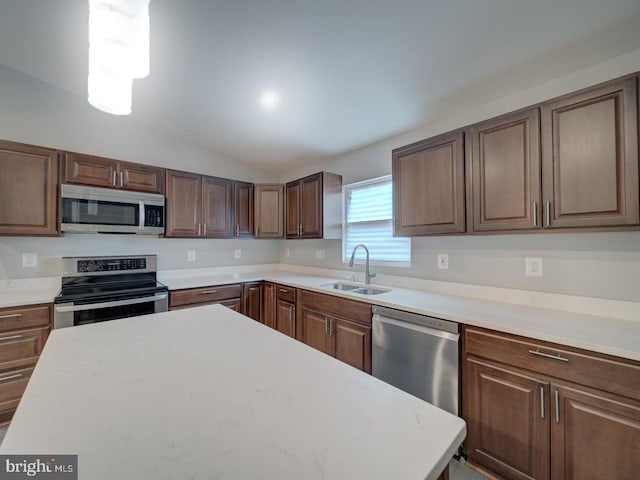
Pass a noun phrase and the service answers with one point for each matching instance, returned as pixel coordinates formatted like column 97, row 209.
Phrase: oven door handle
column 116, row 303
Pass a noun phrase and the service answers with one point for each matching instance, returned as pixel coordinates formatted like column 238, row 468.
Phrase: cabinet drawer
column 12, row 385
column 583, row 367
column 331, row 305
column 288, row 294
column 17, row 318
column 205, row 295
column 21, row 348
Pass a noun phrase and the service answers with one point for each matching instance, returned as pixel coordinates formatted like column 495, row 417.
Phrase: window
column 368, row 219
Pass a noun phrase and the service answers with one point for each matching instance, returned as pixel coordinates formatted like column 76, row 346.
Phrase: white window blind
column 368, row 219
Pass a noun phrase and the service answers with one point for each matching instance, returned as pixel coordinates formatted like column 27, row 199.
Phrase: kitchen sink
column 348, row 287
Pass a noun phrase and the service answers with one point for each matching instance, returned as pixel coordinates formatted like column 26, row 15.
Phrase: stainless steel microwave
column 102, row 210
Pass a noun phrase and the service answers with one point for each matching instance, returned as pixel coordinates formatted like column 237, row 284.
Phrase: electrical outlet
column 191, row 256
column 287, row 252
column 533, row 266
column 237, row 254
column 443, row 261
column 319, row 254
column 29, row 260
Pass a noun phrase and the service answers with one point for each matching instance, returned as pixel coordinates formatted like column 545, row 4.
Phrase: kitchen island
column 208, row 393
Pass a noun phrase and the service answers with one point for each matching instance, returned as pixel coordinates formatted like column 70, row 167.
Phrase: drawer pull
column 207, row 292
column 13, row 315
column 10, row 377
column 13, row 337
column 282, row 290
column 548, row 355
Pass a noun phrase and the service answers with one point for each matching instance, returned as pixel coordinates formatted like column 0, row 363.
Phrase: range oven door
column 70, row 314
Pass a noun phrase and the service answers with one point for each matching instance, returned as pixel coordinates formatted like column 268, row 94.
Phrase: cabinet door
column 243, row 208
column 292, row 210
column 28, row 179
column 594, row 436
column 234, row 304
column 311, row 206
column 590, row 158
column 507, row 415
column 143, row 178
column 428, row 186
column 184, row 204
column 12, row 386
column 217, row 208
column 351, row 343
column 90, row 170
column 269, row 305
column 504, row 163
column 286, row 318
column 269, row 210
column 315, row 331
column 252, row 300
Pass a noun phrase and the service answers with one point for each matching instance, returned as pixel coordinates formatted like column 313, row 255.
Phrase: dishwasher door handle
column 417, row 328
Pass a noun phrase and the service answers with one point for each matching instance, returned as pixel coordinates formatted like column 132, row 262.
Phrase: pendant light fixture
column 118, row 52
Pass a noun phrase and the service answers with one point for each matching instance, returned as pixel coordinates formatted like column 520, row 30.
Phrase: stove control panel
column 111, row 265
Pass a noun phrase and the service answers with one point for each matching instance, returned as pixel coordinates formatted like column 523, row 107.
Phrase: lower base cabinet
column 252, row 300
column 536, row 410
column 228, row 295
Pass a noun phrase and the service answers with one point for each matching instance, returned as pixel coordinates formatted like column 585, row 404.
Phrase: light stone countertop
column 28, row 291
column 209, row 393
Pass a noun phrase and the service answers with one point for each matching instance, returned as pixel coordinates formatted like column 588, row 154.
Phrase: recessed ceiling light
column 269, row 100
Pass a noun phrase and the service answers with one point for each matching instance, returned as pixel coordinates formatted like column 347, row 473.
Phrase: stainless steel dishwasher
column 417, row 354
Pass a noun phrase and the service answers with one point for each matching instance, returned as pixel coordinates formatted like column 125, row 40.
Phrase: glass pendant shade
column 118, row 52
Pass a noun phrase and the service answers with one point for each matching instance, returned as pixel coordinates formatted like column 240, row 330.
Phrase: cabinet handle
column 115, row 178
column 207, row 292
column 121, row 179
column 301, row 231
column 330, row 327
column 541, row 402
column 284, row 290
column 12, row 315
column 535, row 214
column 557, row 395
column 548, row 213
column 10, row 377
column 204, row 228
column 326, row 325
column 199, row 230
column 237, row 230
column 548, row 355
column 13, row 337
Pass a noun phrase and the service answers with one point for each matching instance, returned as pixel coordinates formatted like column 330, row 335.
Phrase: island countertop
column 208, row 393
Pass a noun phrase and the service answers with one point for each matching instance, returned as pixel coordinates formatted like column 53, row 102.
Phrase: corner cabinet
column 313, row 207
column 252, row 300
column 537, row 410
column 428, row 186
column 198, row 206
column 243, row 209
column 109, row 173
column 590, row 157
column 28, row 190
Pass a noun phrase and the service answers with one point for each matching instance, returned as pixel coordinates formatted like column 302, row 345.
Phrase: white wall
column 37, row 113
column 595, row 264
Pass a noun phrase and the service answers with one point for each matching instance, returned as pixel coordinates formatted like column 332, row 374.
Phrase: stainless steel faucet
column 367, row 273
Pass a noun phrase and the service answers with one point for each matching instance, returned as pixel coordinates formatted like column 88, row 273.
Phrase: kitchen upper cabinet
column 539, row 410
column 314, row 207
column 338, row 327
column 503, row 167
column 28, row 193
column 252, row 300
column 243, row 199
column 198, row 206
column 269, row 211
column 108, row 173
column 428, row 186
column 590, row 157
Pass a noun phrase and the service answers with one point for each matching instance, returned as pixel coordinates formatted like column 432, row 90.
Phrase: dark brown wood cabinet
column 109, row 173
column 243, row 208
column 428, row 186
column 252, row 300
column 198, row 206
column 23, row 333
column 286, row 310
column 590, row 157
column 503, row 171
column 28, row 192
column 314, row 207
column 228, row 295
column 541, row 410
column 338, row 327
column 269, row 211
column 269, row 305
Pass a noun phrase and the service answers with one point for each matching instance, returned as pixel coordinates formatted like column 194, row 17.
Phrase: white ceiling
column 350, row 72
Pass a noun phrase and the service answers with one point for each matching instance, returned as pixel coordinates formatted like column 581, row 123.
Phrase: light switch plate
column 533, row 266
column 237, row 254
column 29, row 260
column 443, row 261
column 191, row 256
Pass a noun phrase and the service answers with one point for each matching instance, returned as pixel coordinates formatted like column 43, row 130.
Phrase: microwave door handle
column 141, row 224
column 116, row 303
